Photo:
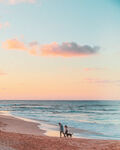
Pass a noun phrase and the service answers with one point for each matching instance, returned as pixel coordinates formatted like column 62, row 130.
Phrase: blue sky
column 84, row 22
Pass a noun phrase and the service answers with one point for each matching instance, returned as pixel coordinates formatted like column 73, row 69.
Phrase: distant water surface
column 97, row 119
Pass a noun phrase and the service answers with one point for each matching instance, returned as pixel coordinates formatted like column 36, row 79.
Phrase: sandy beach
column 17, row 134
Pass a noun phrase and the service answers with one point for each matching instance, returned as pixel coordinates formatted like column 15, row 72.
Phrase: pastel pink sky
column 59, row 50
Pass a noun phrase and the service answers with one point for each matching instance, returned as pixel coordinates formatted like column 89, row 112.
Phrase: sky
column 59, row 50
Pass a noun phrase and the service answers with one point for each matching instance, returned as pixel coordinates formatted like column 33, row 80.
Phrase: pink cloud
column 13, row 44
column 65, row 49
column 3, row 89
column 33, row 48
column 33, row 52
column 94, row 69
column 102, row 81
column 2, row 73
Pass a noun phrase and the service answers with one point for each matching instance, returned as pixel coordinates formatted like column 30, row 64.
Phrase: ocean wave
column 101, row 117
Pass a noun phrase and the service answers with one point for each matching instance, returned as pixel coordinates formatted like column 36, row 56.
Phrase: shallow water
column 97, row 119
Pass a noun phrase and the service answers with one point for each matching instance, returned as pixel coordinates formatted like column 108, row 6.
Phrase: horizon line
column 58, row 100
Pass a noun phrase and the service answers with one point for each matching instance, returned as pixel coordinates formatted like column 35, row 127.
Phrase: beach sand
column 17, row 134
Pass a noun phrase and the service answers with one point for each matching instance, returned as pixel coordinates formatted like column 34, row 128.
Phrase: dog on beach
column 66, row 133
column 69, row 134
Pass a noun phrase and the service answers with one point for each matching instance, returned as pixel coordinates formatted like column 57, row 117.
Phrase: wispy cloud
column 66, row 49
column 2, row 73
column 13, row 2
column 102, row 81
column 94, row 69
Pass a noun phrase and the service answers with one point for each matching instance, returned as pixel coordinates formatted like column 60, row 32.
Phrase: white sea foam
column 51, row 130
column 99, row 116
column 6, row 113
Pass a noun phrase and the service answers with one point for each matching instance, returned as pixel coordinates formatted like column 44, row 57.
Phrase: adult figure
column 61, row 129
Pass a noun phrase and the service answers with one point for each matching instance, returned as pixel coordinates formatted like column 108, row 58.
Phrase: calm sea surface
column 97, row 119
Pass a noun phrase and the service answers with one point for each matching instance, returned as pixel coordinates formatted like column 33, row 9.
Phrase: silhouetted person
column 61, row 129
column 67, row 133
column 66, row 130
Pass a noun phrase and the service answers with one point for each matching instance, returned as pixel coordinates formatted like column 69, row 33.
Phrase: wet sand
column 17, row 134
column 15, row 125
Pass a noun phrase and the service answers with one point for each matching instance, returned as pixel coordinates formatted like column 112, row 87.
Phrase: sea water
column 88, row 119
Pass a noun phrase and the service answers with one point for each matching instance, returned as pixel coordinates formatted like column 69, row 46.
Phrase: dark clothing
column 61, row 128
column 66, row 131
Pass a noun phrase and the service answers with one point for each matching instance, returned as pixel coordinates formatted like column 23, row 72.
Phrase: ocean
column 87, row 119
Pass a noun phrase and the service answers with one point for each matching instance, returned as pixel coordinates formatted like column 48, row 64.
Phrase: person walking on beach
column 66, row 130
column 67, row 133
column 61, row 129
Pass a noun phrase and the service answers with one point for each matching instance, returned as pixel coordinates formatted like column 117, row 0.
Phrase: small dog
column 69, row 134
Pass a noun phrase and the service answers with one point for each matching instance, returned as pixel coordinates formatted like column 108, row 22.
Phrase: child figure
column 66, row 130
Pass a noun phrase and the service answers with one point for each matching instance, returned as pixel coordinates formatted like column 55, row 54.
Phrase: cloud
column 94, row 69
column 66, row 49
column 33, row 48
column 13, row 2
column 33, row 52
column 13, row 44
column 102, row 81
column 34, row 43
column 3, row 89
column 2, row 73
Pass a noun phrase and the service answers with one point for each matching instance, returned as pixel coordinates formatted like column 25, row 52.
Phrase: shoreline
column 18, row 134
column 18, row 130
column 86, row 123
column 41, row 126
column 47, row 128
column 52, row 130
column 16, row 125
